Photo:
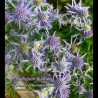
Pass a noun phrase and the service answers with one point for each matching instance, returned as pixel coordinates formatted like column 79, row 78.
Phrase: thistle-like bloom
column 86, row 34
column 77, row 10
column 89, row 94
column 22, row 46
column 21, row 12
column 65, row 93
column 78, row 62
column 37, row 61
column 43, row 19
column 79, row 87
column 73, row 44
column 62, row 66
column 53, row 41
column 60, row 85
column 79, row 14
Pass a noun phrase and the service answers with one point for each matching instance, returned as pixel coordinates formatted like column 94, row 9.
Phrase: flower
column 78, row 62
column 64, row 94
column 43, row 19
column 79, row 87
column 77, row 10
column 53, row 41
column 21, row 12
column 37, row 61
column 89, row 94
column 61, row 86
column 62, row 66
column 86, row 34
column 73, row 44
column 79, row 15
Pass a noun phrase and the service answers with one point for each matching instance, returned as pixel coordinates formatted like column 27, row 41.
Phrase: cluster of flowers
column 58, row 61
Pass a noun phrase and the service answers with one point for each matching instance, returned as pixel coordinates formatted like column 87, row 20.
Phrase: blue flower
column 53, row 41
column 79, row 15
column 78, row 62
column 43, row 19
column 89, row 94
column 60, row 87
column 62, row 66
column 77, row 10
column 21, row 12
column 86, row 34
column 73, row 45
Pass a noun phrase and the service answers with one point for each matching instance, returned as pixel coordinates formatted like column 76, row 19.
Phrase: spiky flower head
column 62, row 66
column 80, row 89
column 53, row 41
column 77, row 62
column 44, row 93
column 78, row 15
column 44, row 19
column 86, row 34
column 65, row 93
column 77, row 9
column 37, row 61
column 59, row 85
column 21, row 12
column 73, row 45
column 89, row 94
